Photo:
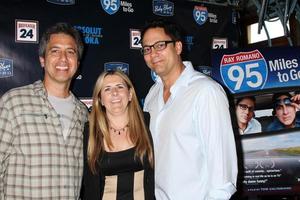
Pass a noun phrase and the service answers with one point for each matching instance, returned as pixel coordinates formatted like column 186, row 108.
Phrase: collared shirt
column 194, row 147
column 36, row 161
column 253, row 126
column 277, row 125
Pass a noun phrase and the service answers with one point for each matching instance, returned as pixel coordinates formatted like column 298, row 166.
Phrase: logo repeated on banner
column 219, row 43
column 163, row 7
column 112, row 66
column 62, row 2
column 26, row 31
column 127, row 7
column 200, row 14
column 113, row 6
column 110, row 6
column 244, row 71
column 135, row 39
column 91, row 35
column 204, row 69
column 6, row 67
column 189, row 42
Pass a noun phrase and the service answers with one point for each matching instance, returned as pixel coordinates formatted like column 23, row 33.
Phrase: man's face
column 245, row 111
column 61, row 59
column 164, row 61
column 285, row 111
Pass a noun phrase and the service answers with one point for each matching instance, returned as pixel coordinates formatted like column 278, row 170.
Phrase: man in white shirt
column 195, row 154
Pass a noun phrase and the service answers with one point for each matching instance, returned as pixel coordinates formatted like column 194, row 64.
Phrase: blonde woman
column 117, row 147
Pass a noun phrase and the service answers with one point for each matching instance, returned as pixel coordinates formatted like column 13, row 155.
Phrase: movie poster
column 264, row 87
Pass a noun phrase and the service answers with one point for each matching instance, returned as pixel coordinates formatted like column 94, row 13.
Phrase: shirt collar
column 184, row 79
column 39, row 88
column 185, row 76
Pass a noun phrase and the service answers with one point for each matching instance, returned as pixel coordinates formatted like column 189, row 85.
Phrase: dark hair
column 61, row 28
column 247, row 97
column 277, row 95
column 171, row 28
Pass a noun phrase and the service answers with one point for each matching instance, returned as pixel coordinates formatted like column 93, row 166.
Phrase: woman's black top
column 120, row 176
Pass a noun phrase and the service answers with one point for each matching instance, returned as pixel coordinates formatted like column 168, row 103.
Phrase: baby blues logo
column 244, row 71
column 6, row 67
column 163, row 7
column 91, row 35
column 189, row 42
column 62, row 2
column 200, row 14
column 114, row 66
column 110, row 6
column 204, row 69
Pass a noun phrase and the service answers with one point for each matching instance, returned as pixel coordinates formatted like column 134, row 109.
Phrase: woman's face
column 115, row 95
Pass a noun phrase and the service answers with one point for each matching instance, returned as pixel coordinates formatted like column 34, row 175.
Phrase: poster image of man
column 286, row 111
column 244, row 109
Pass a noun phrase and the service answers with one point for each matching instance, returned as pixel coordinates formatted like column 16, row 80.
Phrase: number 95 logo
column 200, row 14
column 244, row 72
column 110, row 6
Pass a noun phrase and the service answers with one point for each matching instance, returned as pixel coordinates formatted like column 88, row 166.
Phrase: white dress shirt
column 195, row 154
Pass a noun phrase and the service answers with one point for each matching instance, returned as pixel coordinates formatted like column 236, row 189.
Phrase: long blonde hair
column 99, row 128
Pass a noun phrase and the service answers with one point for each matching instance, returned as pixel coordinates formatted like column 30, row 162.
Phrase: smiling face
column 286, row 113
column 61, row 60
column 162, row 62
column 115, row 95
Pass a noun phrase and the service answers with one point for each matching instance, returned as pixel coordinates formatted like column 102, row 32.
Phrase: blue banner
column 256, row 69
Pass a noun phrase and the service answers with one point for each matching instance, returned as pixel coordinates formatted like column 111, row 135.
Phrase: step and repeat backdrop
column 269, row 159
column 111, row 32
